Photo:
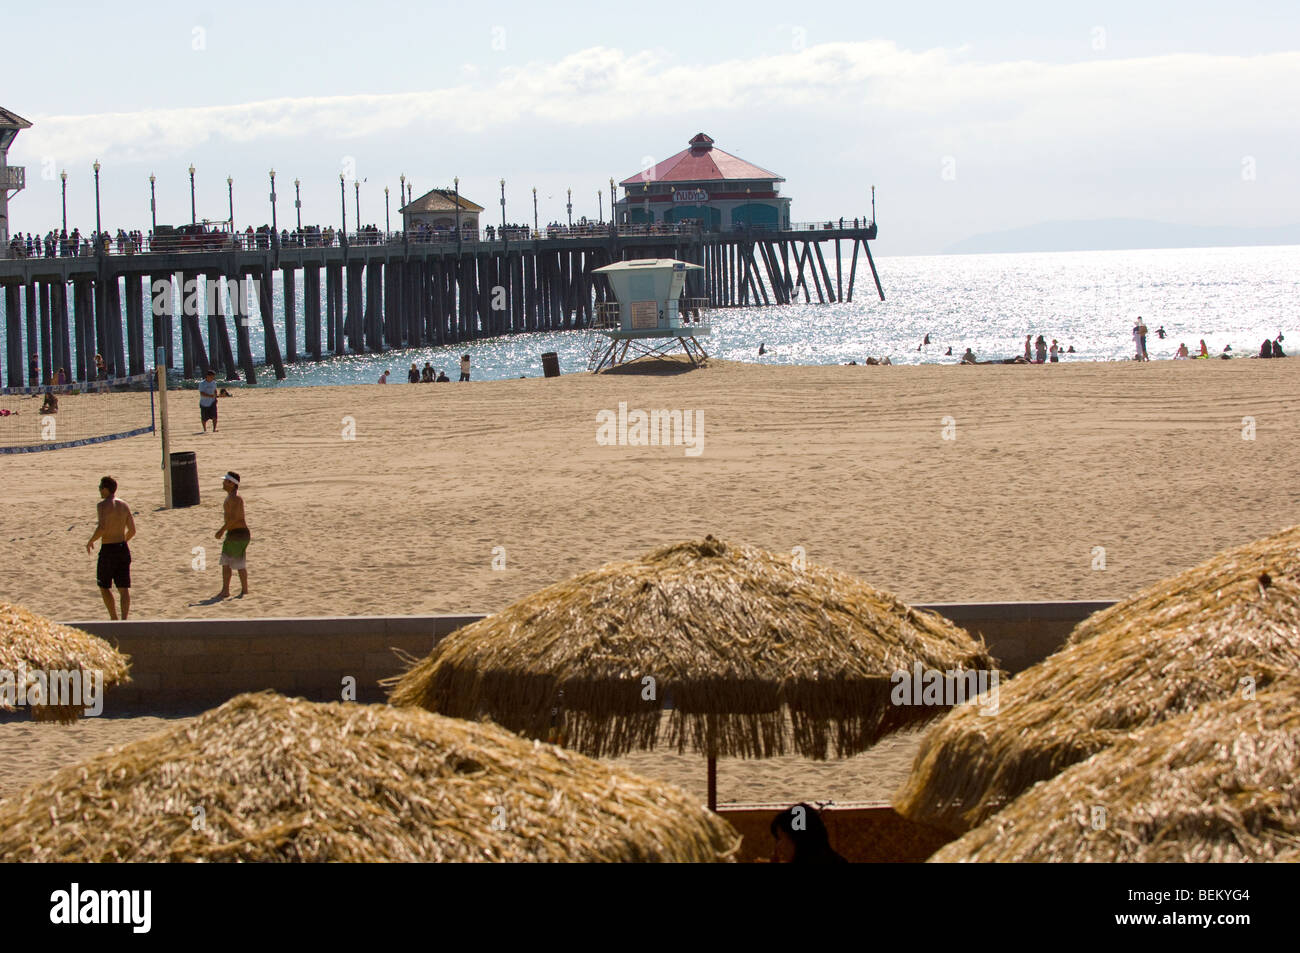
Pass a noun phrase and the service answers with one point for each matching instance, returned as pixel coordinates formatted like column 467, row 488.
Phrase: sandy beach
column 1045, row 464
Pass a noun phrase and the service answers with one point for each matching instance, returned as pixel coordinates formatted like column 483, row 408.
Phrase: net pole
column 160, row 372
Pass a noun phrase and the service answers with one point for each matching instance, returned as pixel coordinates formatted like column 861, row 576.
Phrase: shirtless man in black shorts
column 115, row 529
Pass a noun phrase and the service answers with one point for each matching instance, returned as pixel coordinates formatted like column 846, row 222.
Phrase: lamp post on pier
column 455, row 182
column 600, row 203
column 873, row 205
column 98, row 227
column 357, row 184
column 194, row 216
column 275, row 226
column 297, row 202
column 343, row 202
column 153, row 204
column 535, row 228
column 503, row 209
column 612, row 203
column 570, row 208
column 230, row 197
column 64, row 176
column 387, row 229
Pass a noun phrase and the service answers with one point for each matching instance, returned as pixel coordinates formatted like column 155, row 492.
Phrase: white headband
column 232, row 478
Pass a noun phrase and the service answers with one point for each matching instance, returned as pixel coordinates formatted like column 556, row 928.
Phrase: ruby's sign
column 691, row 195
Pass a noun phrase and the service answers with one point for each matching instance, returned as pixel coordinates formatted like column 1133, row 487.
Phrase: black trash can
column 550, row 364
column 185, row 480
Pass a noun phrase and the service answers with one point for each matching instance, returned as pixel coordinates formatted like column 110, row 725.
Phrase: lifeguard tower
column 649, row 316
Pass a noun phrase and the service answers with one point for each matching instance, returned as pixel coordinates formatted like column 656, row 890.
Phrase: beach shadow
column 658, row 367
column 210, row 601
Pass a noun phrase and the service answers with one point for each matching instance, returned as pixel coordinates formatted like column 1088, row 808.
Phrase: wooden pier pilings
column 62, row 312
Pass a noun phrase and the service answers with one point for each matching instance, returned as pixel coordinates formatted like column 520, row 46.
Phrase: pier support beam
column 311, row 310
column 288, row 274
column 242, row 341
column 135, row 325
column 14, row 335
column 48, row 359
column 266, row 307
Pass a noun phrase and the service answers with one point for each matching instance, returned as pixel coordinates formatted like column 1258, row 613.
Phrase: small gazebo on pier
column 649, row 316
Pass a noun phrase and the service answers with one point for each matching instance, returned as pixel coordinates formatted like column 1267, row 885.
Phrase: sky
column 967, row 118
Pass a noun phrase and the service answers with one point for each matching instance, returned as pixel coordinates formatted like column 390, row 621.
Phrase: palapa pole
column 713, row 784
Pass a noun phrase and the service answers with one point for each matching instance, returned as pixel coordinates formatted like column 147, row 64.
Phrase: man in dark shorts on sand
column 208, row 400
column 115, row 529
column 237, row 536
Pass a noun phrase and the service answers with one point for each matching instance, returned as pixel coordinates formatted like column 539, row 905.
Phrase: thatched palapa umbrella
column 1213, row 785
column 1186, row 641
column 53, row 669
column 752, row 654
column 267, row 778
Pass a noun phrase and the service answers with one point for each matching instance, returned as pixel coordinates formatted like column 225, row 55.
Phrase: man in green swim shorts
column 237, row 536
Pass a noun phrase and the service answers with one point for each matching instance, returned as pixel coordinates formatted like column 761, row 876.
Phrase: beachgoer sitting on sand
column 1181, row 353
column 51, row 405
column 1205, row 352
column 969, row 356
column 1266, row 349
column 948, row 353
column 799, row 836
column 1277, row 347
column 443, row 378
column 383, row 378
column 872, row 361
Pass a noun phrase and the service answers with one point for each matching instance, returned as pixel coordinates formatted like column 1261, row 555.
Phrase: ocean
column 1088, row 300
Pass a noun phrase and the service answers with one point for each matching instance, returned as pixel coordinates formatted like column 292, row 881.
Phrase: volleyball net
column 75, row 415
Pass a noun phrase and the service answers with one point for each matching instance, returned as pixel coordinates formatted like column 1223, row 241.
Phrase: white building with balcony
column 12, row 177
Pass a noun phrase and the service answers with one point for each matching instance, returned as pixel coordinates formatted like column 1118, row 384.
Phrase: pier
column 372, row 293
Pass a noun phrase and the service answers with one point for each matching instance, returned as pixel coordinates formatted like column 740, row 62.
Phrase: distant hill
column 1108, row 234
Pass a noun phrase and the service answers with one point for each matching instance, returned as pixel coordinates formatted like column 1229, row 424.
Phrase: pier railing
column 248, row 241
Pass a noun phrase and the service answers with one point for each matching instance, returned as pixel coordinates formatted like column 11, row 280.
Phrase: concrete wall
column 193, row 664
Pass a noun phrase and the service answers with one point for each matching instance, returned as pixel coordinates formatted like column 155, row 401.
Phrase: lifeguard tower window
column 645, row 303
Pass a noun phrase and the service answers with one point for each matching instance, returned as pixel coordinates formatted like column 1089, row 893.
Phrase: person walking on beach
column 1029, row 347
column 114, row 530
column 1140, row 340
column 464, row 367
column 208, row 400
column 1040, row 349
column 237, row 536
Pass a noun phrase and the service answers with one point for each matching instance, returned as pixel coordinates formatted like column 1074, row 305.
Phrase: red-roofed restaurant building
column 702, row 183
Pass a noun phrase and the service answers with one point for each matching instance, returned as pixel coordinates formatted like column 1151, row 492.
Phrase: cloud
column 934, row 100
